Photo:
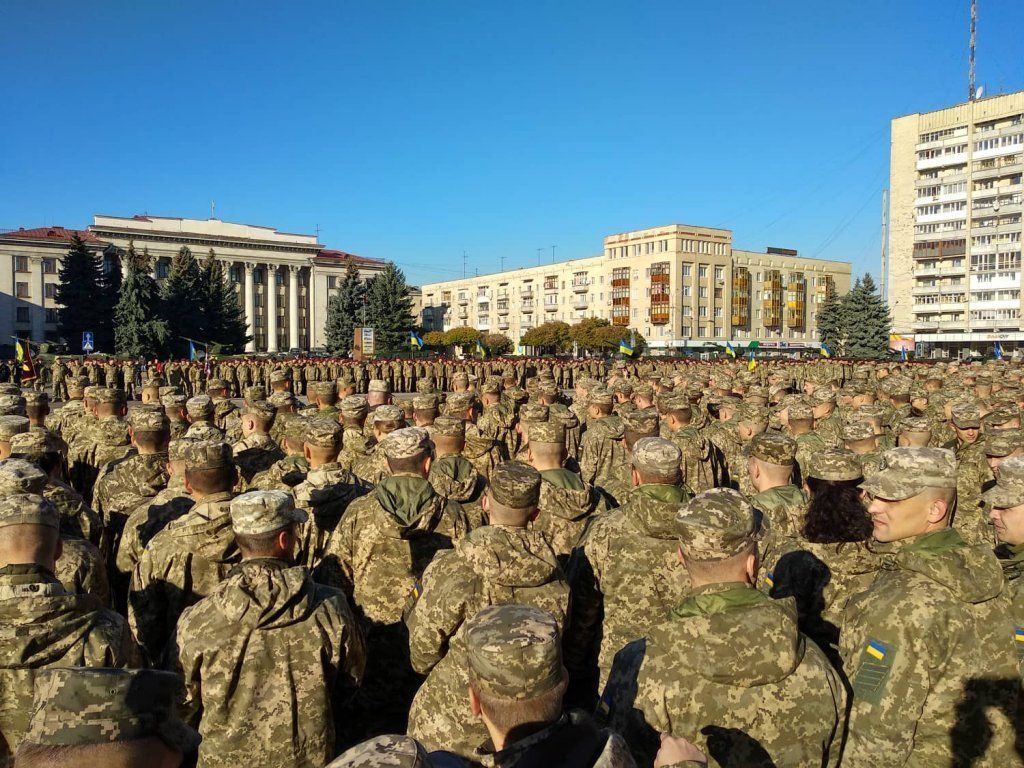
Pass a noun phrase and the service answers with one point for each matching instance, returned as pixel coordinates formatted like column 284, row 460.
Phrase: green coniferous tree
column 389, row 310
column 866, row 320
column 223, row 316
column 344, row 312
column 181, row 296
column 139, row 331
column 830, row 322
column 80, row 281
column 110, row 286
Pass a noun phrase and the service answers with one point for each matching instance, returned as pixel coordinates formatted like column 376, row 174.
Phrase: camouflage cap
column 533, row 412
column 515, row 484
column 389, row 751
column 491, row 386
column 642, row 421
column 282, row 400
column 1001, row 442
column 858, row 430
column 823, row 395
column 199, row 407
column 21, row 476
column 260, row 409
column 259, row 512
column 295, row 429
column 344, row 381
column 835, row 465
column 109, row 396
column 773, row 448
column 547, row 432
column 378, row 385
column 177, row 449
column 207, row 454
column 144, row 421
column 254, row 393
column 600, row 397
column 460, row 376
column 799, row 411
column 278, row 375
column 643, row 390
column 906, row 472
column 76, row 706
column 459, row 402
column 514, row 651
column 354, row 406
column 656, row 456
column 322, row 388
column 12, row 405
column 36, row 398
column 1009, row 488
column 547, row 387
column 388, row 413
column 426, row 402
column 717, row 524
column 913, row 424
column 323, row 433
column 872, row 411
column 216, row 383
column 76, row 384
column 966, row 415
column 90, row 390
column 673, row 401
column 426, row 386
column 168, row 390
column 446, row 426
column 406, row 443
column 28, row 509
column 1001, row 414
column 36, row 442
column 748, row 413
column 173, row 400
column 12, row 425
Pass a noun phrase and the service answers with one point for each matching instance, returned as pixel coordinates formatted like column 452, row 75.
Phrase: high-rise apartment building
column 682, row 287
column 954, row 266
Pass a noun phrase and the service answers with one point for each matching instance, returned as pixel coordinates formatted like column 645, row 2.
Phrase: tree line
column 856, row 324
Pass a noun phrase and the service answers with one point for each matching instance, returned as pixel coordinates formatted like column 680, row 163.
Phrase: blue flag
column 415, row 340
column 997, row 350
column 625, row 348
column 192, row 351
column 730, row 350
column 903, row 354
column 825, row 351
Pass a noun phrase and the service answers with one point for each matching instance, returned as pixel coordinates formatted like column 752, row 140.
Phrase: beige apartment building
column 954, row 256
column 682, row 287
column 283, row 279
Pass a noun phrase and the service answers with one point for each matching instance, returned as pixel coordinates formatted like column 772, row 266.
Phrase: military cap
column 173, row 400
column 389, row 751
column 823, row 395
column 966, row 415
column 835, row 464
column 913, row 424
column 281, row 399
column 260, row 409
column 177, row 449
column 32, row 397
column 323, row 433
column 109, row 395
column 717, row 524
column 12, row 405
column 146, row 420
column 344, row 380
column 207, row 454
column 21, row 476
column 547, row 432
column 533, row 412
column 78, row 706
column 426, row 402
column 491, row 386
column 459, row 402
column 295, row 429
column 858, row 430
column 673, row 401
column 378, row 385
column 199, row 407
column 278, row 375
column 799, row 411
column 259, row 512
column 460, row 376
column 749, row 413
column 514, row 652
column 1001, row 442
column 216, row 383
column 388, row 413
column 547, row 387
column 168, row 390
column 773, row 448
column 10, row 388
column 406, row 443
column 906, row 472
column 12, row 425
column 76, row 384
column 600, row 397
column 36, row 442
column 643, row 390
column 354, row 406
column 448, row 427
column 656, row 456
column 1009, row 488
column 642, row 421
column 322, row 388
column 426, row 386
column 254, row 392
column 1001, row 414
column 90, row 390
column 515, row 484
column 28, row 509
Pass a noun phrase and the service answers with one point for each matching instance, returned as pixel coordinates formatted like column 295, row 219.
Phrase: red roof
column 333, row 255
column 55, row 234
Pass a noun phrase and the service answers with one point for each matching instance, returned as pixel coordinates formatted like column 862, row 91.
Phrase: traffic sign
column 87, row 341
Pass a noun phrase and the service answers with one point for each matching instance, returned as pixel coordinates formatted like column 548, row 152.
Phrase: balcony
column 550, row 307
column 959, row 158
column 503, row 325
column 502, row 310
column 482, row 297
column 526, row 293
column 463, row 300
column 580, row 302
column 527, row 308
column 580, row 286
column 463, row 314
column 926, row 325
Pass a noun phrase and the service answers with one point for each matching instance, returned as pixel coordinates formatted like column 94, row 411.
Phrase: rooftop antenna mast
column 213, row 209
column 971, row 95
column 464, row 257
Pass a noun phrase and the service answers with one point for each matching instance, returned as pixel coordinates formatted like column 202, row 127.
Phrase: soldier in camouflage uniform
column 270, row 657
column 799, row 424
column 636, row 425
column 771, row 461
column 354, row 410
column 502, row 562
column 911, row 642
column 628, row 569
column 102, row 441
column 256, row 452
column 381, row 547
column 914, row 432
column 225, row 413
column 290, row 470
column 860, row 438
column 483, row 450
column 1005, row 501
column 772, row 699
column 200, row 412
column 697, row 462
column 41, row 624
column 748, row 421
column 972, row 473
column 827, row 421
column 372, row 467
column 601, row 449
column 106, row 717
column 451, row 474
column 174, row 406
column 190, row 557
column 393, row 751
column 9, row 427
column 62, row 420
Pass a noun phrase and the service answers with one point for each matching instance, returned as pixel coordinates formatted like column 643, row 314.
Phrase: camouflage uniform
column 602, row 450
column 254, row 455
column 454, row 478
column 492, row 565
column 148, row 519
column 325, row 494
column 1007, row 493
column 268, row 656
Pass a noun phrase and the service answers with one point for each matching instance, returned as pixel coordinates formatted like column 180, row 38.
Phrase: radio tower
column 974, row 30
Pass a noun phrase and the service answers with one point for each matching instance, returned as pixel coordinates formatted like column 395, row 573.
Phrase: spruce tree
column 830, row 322
column 110, row 286
column 389, row 310
column 181, row 296
column 80, row 281
column 344, row 312
column 139, row 331
column 223, row 316
column 867, row 322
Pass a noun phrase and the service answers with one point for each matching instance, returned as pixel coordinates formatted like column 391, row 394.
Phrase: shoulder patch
column 873, row 674
column 1018, row 636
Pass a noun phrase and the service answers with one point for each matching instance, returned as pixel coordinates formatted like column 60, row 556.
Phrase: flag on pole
column 997, row 350
column 730, row 350
column 903, row 354
column 415, row 340
column 480, row 349
column 24, row 355
column 625, row 348
column 751, row 361
column 192, row 350
column 825, row 351
column 754, row 344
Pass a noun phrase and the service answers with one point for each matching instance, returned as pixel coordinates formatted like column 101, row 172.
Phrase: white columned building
column 293, row 306
column 250, row 310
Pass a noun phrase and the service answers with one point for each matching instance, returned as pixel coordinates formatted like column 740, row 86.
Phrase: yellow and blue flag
column 730, row 350
column 903, row 354
column 1018, row 634
column 751, row 361
column 192, row 351
column 876, row 650
column 625, row 348
column 825, row 351
column 480, row 349
column 23, row 354
column 997, row 350
column 415, row 340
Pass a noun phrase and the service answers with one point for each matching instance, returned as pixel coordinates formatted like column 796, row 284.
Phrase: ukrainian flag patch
column 878, row 651
column 1018, row 634
column 769, row 579
column 873, row 674
column 417, row 590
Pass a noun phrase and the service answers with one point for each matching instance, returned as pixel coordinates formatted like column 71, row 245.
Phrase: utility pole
column 464, row 257
column 974, row 37
column 885, row 246
column 553, row 253
column 540, row 251
column 502, row 263
column 213, row 209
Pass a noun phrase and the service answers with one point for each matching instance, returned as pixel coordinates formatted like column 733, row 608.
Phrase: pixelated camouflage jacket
column 453, row 477
column 697, row 463
column 911, row 646
column 81, row 569
column 267, row 657
column 76, row 517
column 42, row 625
column 730, row 671
column 325, row 494
column 148, row 519
column 567, row 505
column 353, row 445
column 573, row 741
column 970, row 518
column 254, row 455
column 122, row 486
column 785, row 507
column 1012, row 561
column 602, row 450
column 491, row 566
column 283, row 475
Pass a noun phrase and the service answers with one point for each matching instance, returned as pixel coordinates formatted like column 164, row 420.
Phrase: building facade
column 682, row 287
column 283, row 279
column 954, row 249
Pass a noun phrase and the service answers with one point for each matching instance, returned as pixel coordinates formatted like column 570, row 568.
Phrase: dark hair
column 836, row 512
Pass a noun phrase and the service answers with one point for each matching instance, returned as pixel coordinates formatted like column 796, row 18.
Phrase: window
column 278, row 277
column 702, row 272
column 719, row 273
column 235, row 275
column 52, row 316
column 22, row 315
column 702, row 291
column 718, row 330
column 718, row 311
column 702, row 311
column 50, row 290
column 49, row 265
column 686, row 270
column 259, row 277
column 21, row 263
column 686, row 291
column 162, row 268
column 21, row 290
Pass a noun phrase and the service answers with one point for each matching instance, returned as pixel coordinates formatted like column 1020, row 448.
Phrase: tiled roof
column 55, row 234
column 333, row 255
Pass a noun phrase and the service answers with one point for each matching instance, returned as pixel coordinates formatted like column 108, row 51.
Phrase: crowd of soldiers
column 526, row 563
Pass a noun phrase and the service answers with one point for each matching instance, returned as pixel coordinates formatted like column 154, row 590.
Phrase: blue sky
column 414, row 131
